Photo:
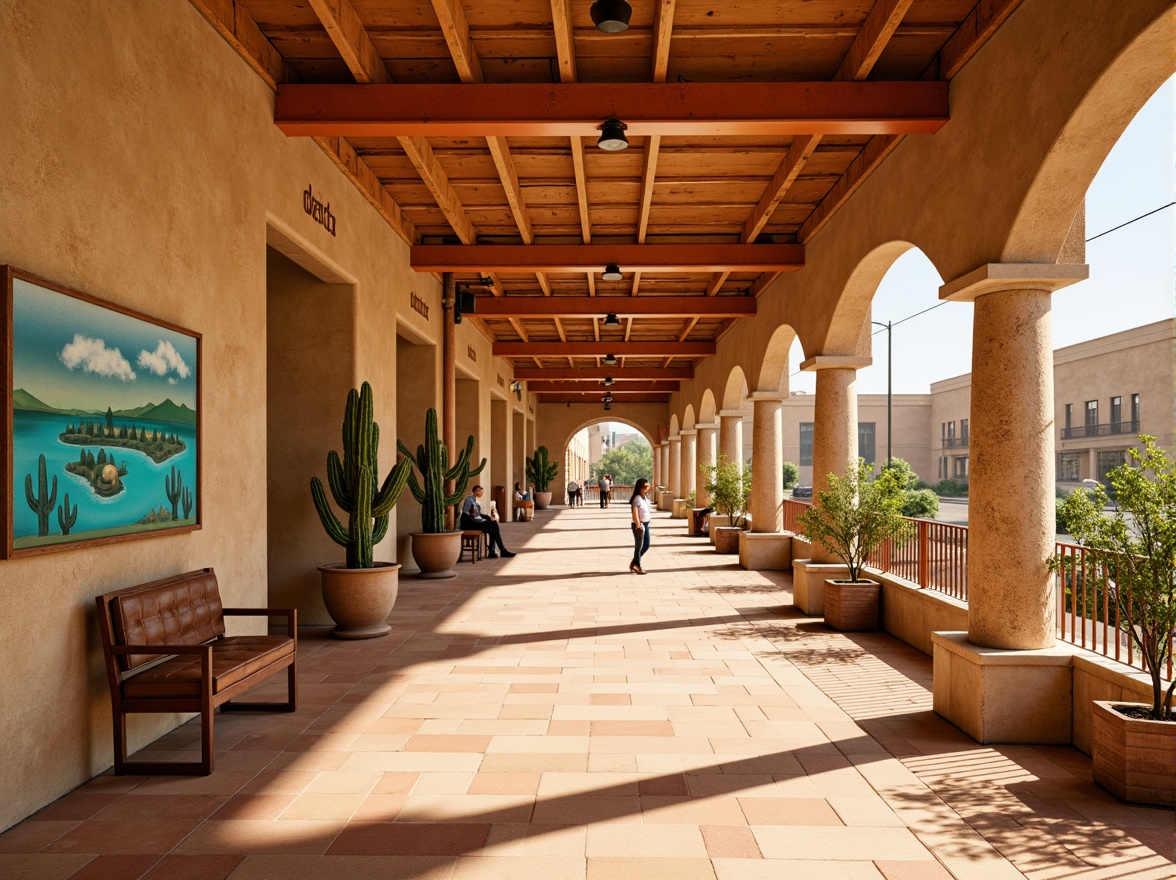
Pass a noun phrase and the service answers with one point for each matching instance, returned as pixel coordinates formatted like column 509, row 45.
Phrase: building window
column 943, row 467
column 1135, row 412
column 806, row 443
column 961, row 468
column 1069, row 465
column 866, row 436
column 1091, row 413
column 1116, row 412
column 1107, row 461
column 943, row 430
column 951, row 430
column 964, row 429
column 1069, row 416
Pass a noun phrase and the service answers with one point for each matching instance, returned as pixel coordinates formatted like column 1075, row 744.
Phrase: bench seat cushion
column 233, row 658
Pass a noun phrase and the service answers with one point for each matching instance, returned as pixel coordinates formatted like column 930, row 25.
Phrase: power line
column 1129, row 222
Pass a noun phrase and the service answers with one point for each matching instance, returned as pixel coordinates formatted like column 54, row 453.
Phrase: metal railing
column 1106, row 430
column 955, row 442
column 619, row 492
column 934, row 556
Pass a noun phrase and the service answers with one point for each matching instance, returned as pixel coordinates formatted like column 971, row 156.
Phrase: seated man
column 472, row 518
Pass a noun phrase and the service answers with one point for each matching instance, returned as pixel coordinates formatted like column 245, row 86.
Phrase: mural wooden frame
column 14, row 546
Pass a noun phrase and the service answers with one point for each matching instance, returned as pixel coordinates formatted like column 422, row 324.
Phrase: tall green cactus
column 172, row 485
column 41, row 503
column 541, row 470
column 432, row 457
column 353, row 483
column 186, row 498
column 65, row 517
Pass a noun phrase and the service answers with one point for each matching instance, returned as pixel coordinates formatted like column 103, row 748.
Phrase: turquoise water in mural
column 36, row 433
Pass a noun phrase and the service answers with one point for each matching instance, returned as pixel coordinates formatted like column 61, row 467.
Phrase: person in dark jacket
column 472, row 518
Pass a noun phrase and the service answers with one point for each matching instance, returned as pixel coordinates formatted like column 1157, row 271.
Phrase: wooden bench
column 473, row 540
column 166, row 651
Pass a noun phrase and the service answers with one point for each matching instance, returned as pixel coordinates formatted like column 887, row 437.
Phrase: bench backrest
column 183, row 609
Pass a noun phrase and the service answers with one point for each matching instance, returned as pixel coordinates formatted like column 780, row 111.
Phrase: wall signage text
column 419, row 306
column 319, row 213
column 473, row 355
column 501, row 381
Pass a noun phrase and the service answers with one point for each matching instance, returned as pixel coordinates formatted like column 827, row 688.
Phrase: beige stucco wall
column 143, row 167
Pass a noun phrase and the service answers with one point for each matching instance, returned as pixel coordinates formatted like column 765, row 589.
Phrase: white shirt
column 644, row 509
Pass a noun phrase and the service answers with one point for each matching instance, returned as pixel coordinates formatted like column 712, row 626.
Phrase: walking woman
column 641, row 511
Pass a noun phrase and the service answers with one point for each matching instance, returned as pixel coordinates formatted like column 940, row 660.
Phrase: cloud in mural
column 165, row 359
column 92, row 356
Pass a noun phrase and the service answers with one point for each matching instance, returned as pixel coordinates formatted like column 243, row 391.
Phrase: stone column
column 656, row 467
column 675, row 469
column 767, row 481
column 707, row 450
column 688, row 463
column 835, row 423
column 731, row 435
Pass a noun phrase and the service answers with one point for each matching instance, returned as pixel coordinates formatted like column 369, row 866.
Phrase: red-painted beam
column 526, row 258
column 578, row 388
column 597, row 374
column 600, row 349
column 595, row 398
column 624, row 306
column 576, row 109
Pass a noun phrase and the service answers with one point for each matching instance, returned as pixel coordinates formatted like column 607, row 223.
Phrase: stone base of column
column 681, row 506
column 999, row 696
column 716, row 520
column 808, row 584
column 765, row 551
column 665, row 500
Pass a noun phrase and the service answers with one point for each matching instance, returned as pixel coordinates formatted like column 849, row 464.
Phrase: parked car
column 802, row 491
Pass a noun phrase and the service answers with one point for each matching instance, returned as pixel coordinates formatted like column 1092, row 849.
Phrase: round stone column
column 689, row 461
column 835, row 423
column 708, row 436
column 731, row 435
column 675, row 469
column 656, row 476
column 767, row 462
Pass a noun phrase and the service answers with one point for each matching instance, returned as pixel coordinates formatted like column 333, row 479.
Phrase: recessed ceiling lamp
column 611, row 16
column 610, row 359
column 607, row 407
column 612, row 135
column 611, row 319
column 612, row 272
column 609, row 380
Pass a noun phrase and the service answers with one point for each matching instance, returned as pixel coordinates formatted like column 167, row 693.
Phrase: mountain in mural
column 167, row 411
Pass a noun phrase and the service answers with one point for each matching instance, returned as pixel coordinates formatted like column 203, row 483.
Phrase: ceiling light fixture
column 612, row 135
column 611, row 319
column 610, row 359
column 612, row 272
column 611, row 16
column 609, row 380
column 607, row 407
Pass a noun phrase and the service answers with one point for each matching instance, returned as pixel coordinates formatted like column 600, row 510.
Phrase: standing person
column 573, row 493
column 606, row 490
column 641, row 511
column 471, row 518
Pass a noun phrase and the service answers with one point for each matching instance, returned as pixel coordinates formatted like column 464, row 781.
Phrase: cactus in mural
column 41, row 503
column 353, row 483
column 172, row 485
column 186, row 499
column 541, row 470
column 65, row 517
column 432, row 458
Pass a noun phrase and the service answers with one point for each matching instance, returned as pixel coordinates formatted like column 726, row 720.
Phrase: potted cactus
column 540, row 472
column 359, row 593
column 435, row 549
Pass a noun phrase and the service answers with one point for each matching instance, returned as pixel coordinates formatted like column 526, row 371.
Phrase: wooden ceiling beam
column 540, row 387
column 563, row 397
column 696, row 257
column 798, row 154
column 641, row 306
column 576, row 109
column 663, row 28
column 975, row 30
column 597, row 374
column 242, row 33
column 456, row 30
column 880, row 24
column 347, row 32
column 434, row 177
column 565, row 48
column 594, row 349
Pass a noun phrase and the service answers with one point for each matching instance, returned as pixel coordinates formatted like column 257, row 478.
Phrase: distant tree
column 627, row 463
column 920, row 503
column 904, row 474
column 109, row 421
column 791, row 474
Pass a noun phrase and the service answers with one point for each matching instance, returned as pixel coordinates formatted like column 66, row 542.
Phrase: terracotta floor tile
column 505, row 783
column 324, row 807
column 27, row 866
column 30, row 837
column 254, row 806
column 673, row 785
column 364, row 867
column 440, row 743
column 255, row 836
column 76, row 806
column 646, row 868
column 645, row 841
column 497, row 868
column 587, row 809
column 730, row 842
column 116, row 868
column 140, row 807
column 788, row 811
column 123, row 837
column 632, row 728
column 691, row 811
column 912, row 870
column 417, row 839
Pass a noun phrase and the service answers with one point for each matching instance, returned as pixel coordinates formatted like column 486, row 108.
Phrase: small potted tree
column 360, row 593
column 851, row 518
column 1132, row 556
column 729, row 488
column 540, row 472
column 435, row 548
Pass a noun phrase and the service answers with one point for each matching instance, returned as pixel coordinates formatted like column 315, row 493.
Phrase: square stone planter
column 727, row 539
column 1134, row 759
column 852, row 606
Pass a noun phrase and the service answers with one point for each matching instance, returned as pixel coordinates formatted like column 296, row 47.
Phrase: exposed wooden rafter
column 624, row 306
column 698, row 257
column 600, row 349
column 541, row 386
column 594, row 397
column 597, row 374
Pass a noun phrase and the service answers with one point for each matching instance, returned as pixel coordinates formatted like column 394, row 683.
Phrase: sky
column 1132, row 280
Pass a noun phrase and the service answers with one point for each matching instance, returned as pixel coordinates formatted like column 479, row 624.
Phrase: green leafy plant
column 729, row 487
column 791, row 474
column 951, row 489
column 541, row 470
column 627, row 463
column 902, row 472
column 920, row 503
column 855, row 515
column 353, row 483
column 432, row 459
column 1131, row 554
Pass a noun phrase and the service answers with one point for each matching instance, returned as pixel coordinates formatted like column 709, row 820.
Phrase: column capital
column 708, row 426
column 674, row 438
column 835, row 362
column 995, row 277
column 730, row 414
column 688, row 432
column 757, row 396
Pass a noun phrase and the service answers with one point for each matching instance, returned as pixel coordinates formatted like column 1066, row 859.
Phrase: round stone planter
column 359, row 600
column 851, row 606
column 542, row 500
column 727, row 539
column 436, row 553
column 1128, row 753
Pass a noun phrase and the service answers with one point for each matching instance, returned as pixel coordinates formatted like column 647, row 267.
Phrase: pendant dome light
column 609, row 380
column 610, row 359
column 612, row 272
column 612, row 135
column 611, row 16
column 611, row 320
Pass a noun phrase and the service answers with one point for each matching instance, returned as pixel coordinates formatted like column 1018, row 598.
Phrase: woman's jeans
column 640, row 542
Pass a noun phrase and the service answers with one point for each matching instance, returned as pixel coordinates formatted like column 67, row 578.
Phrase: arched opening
column 620, row 448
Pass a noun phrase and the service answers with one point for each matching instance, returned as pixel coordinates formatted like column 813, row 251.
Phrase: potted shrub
column 851, row 519
column 360, row 593
column 540, row 472
column 1132, row 556
column 435, row 548
column 730, row 490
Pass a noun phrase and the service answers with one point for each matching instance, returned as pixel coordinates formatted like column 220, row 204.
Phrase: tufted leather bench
column 166, row 651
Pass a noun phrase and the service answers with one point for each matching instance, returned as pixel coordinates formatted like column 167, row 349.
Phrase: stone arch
column 587, row 423
column 848, row 332
column 773, row 371
column 1043, row 222
column 674, row 425
column 688, row 420
column 708, row 411
column 735, row 389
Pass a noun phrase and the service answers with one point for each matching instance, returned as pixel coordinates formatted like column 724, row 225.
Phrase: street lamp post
column 889, row 389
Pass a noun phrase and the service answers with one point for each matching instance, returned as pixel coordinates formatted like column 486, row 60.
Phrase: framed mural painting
column 101, row 420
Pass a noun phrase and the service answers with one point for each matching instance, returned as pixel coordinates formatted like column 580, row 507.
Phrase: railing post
column 924, row 560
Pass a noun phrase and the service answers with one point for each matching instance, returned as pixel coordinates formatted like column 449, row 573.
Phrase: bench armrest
column 291, row 615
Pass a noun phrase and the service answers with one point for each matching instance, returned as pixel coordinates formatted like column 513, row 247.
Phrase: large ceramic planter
column 359, row 600
column 542, row 500
column 851, row 606
column 436, row 553
column 727, row 539
column 1133, row 758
